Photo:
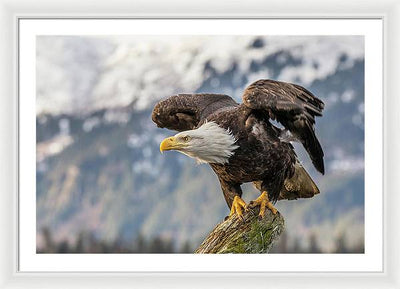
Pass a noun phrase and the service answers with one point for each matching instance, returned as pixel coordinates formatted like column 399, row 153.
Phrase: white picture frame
column 10, row 276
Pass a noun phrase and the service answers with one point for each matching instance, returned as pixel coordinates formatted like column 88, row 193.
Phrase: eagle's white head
column 209, row 143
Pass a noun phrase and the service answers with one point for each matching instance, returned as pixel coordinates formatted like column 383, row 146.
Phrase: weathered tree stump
column 249, row 236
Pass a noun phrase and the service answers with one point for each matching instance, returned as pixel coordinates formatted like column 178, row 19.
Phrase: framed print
column 84, row 182
column 303, row 100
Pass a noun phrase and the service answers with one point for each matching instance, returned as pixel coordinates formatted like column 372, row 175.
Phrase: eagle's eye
column 186, row 138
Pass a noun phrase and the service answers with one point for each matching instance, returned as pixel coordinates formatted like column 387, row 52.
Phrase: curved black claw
column 252, row 204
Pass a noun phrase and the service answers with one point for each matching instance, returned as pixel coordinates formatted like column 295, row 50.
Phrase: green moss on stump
column 251, row 236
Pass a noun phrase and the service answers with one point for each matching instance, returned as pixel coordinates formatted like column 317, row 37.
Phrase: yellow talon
column 263, row 202
column 237, row 206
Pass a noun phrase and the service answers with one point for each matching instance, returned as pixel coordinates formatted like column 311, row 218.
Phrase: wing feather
column 184, row 111
column 293, row 106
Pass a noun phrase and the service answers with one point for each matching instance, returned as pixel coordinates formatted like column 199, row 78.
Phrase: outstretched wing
column 294, row 107
column 184, row 111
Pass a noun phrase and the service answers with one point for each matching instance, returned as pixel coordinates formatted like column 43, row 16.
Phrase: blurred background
column 103, row 186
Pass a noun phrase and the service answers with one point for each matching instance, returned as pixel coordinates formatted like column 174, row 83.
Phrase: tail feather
column 300, row 185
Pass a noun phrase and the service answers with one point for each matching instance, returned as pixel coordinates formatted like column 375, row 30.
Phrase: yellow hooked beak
column 170, row 143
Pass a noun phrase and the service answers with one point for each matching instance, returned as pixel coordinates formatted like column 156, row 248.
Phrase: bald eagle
column 242, row 144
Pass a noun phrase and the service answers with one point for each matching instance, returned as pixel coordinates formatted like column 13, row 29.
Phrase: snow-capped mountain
column 82, row 74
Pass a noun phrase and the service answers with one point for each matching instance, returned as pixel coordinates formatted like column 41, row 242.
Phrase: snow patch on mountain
column 80, row 74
